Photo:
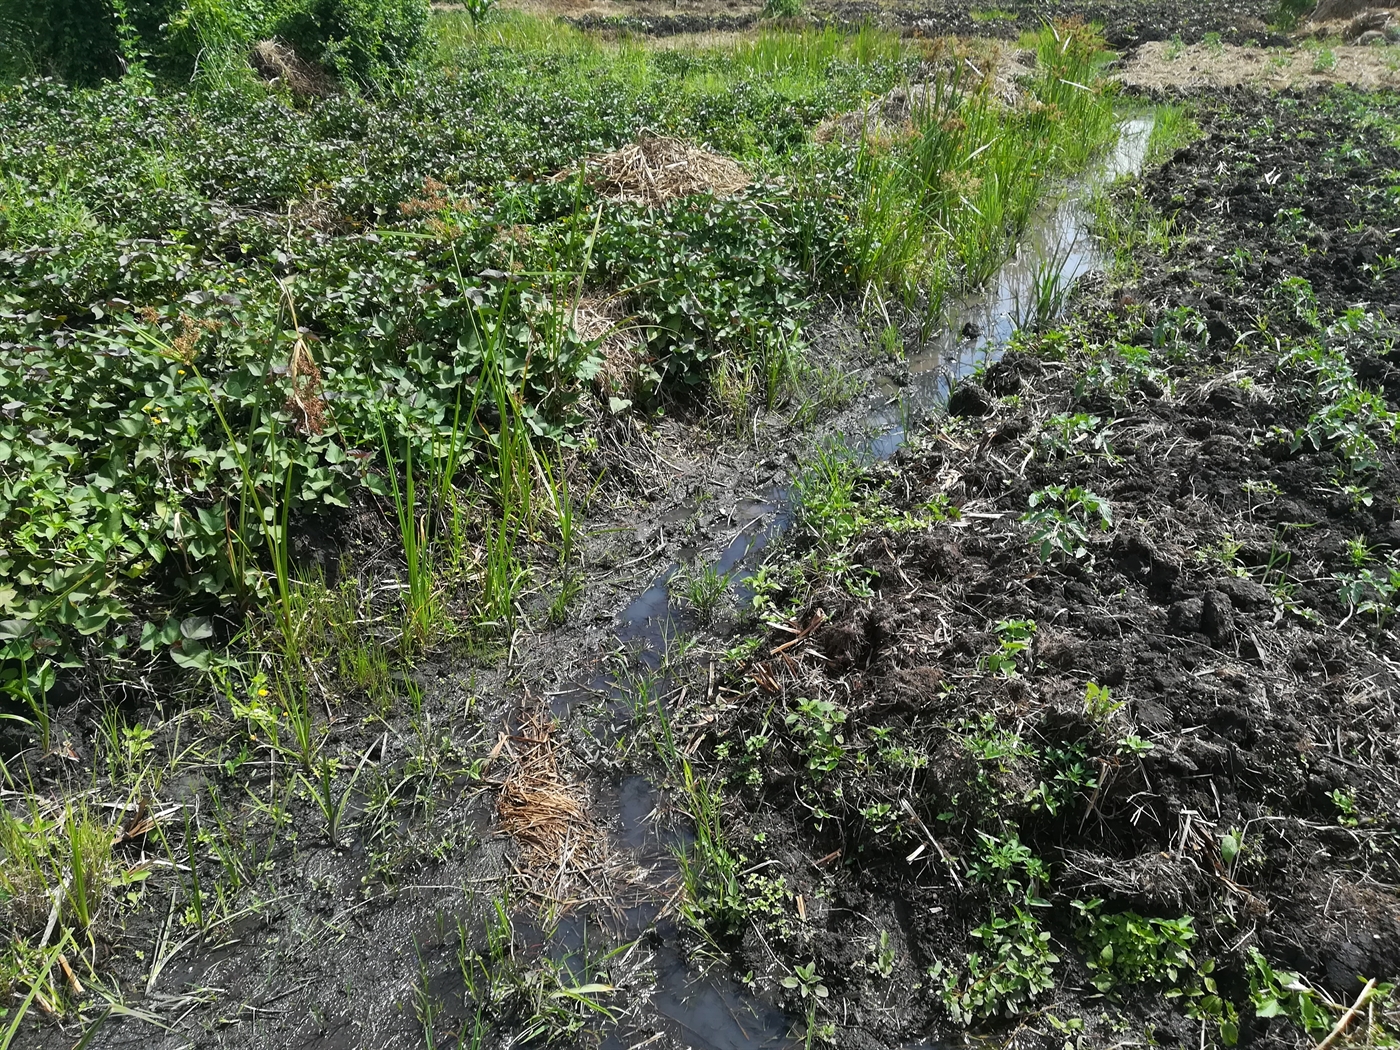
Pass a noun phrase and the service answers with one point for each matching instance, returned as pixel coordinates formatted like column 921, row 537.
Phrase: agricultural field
column 700, row 526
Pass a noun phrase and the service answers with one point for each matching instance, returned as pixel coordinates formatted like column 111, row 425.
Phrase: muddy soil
column 1211, row 606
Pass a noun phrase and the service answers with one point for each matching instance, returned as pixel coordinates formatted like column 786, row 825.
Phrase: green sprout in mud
column 1371, row 591
column 1074, row 434
column 1282, row 993
column 822, row 724
column 882, row 963
column 1128, row 367
column 1013, row 639
column 704, row 589
column 1132, row 744
column 1009, row 866
column 892, row 343
column 1015, row 966
column 1346, row 807
column 806, row 981
column 1099, row 704
column 1061, row 517
column 1127, row 948
column 1359, row 553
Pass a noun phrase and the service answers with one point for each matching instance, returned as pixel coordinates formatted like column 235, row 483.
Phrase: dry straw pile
column 656, row 169
column 546, row 815
column 274, row 61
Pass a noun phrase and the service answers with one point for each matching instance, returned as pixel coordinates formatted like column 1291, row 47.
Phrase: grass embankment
column 239, row 323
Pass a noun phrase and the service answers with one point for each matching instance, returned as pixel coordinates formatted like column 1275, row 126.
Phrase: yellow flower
column 262, row 692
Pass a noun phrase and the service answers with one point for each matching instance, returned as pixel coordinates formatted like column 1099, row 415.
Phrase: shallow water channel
column 715, row 1012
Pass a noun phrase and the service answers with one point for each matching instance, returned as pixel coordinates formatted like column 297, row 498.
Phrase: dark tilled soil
column 1125, row 24
column 1210, row 609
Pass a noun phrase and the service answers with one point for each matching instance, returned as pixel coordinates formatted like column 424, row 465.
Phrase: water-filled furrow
column 712, row 1013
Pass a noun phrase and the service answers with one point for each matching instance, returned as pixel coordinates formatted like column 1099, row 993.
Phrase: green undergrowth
column 944, row 207
column 223, row 310
column 238, row 324
column 85, row 41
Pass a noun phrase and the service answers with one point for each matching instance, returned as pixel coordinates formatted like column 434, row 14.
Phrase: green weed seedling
column 1099, row 704
column 892, row 343
column 808, row 984
column 806, row 981
column 1127, row 948
column 1282, row 993
column 1371, row 591
column 703, row 587
column 1015, row 966
column 1346, row 807
column 1014, row 637
column 333, row 806
column 1061, row 517
column 822, row 724
column 1009, row 865
column 1075, row 434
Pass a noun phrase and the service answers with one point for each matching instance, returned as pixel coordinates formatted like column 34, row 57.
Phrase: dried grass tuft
column 546, row 814
column 619, row 343
column 276, row 62
column 1337, row 10
column 656, row 169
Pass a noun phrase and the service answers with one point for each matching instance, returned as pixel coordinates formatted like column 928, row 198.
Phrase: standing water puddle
column 711, row 1013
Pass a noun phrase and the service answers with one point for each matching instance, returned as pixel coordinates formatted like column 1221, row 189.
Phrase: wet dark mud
column 1246, row 772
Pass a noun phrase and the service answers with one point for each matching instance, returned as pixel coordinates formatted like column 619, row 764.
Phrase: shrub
column 359, row 38
column 85, row 41
column 73, row 39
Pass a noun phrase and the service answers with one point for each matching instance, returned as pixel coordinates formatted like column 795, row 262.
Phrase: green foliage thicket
column 154, row 245
column 85, row 41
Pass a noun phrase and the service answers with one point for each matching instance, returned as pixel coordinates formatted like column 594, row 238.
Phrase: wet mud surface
column 1261, row 699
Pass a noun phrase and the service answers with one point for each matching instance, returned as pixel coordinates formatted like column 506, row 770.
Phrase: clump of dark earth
column 1211, row 608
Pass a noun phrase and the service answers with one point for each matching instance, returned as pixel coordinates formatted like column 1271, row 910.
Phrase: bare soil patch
column 1161, row 65
column 1257, row 697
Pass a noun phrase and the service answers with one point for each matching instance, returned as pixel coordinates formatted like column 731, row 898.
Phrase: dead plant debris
column 274, row 61
column 546, row 814
column 658, row 168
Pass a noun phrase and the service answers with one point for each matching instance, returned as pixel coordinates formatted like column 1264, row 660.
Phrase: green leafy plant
column 1099, row 704
column 783, row 8
column 822, row 724
column 704, row 587
column 1372, row 591
column 1127, row 948
column 1061, row 517
column 1080, row 433
column 1282, row 993
column 806, row 981
column 1014, row 968
column 1014, row 637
